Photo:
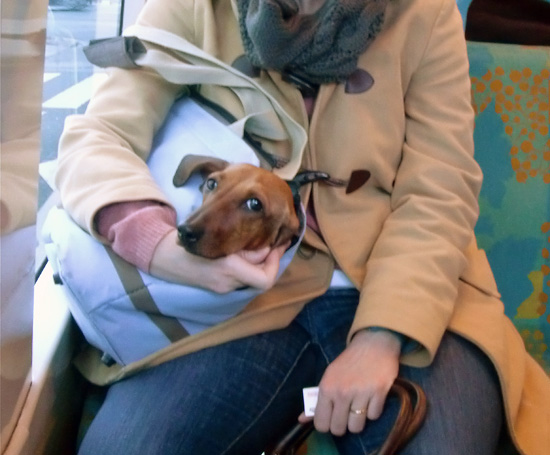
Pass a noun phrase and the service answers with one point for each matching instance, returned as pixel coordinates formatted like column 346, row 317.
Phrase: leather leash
column 408, row 421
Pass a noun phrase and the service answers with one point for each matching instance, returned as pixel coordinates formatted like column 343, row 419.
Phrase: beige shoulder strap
column 187, row 64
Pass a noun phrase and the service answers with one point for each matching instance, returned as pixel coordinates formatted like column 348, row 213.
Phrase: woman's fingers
column 255, row 256
column 376, row 405
column 250, row 271
column 357, row 418
column 340, row 417
column 343, row 414
column 256, row 269
column 355, row 385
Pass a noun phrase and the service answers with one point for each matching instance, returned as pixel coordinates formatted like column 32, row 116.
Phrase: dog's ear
column 191, row 164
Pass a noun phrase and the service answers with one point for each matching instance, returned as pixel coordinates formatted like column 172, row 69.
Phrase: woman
column 389, row 280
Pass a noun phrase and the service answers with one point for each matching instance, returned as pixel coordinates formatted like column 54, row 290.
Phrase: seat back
column 510, row 93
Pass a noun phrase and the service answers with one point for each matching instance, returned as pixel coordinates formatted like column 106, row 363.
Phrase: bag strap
column 143, row 301
column 187, row 64
column 411, row 415
column 408, row 421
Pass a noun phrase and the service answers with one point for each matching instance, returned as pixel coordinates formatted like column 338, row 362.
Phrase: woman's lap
column 232, row 398
column 214, row 401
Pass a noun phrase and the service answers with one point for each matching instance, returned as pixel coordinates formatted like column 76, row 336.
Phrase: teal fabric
column 463, row 8
column 510, row 86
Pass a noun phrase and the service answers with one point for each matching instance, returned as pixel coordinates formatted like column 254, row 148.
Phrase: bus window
column 69, row 79
column 45, row 77
column 22, row 40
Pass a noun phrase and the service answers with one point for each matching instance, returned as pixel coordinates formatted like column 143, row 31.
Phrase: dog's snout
column 189, row 236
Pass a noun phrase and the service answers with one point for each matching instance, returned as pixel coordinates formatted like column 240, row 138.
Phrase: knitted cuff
column 135, row 237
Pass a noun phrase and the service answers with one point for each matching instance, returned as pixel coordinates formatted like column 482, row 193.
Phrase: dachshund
column 244, row 207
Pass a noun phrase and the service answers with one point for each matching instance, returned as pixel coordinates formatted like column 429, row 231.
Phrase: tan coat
column 405, row 238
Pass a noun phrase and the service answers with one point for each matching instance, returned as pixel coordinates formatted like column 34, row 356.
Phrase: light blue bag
column 121, row 310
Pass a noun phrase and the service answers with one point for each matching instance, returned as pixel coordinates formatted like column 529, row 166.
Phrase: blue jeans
column 240, row 396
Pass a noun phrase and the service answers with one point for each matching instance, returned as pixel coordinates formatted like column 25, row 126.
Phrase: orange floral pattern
column 521, row 98
column 510, row 86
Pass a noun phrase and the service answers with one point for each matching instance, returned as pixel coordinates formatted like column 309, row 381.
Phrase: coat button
column 360, row 81
column 357, row 179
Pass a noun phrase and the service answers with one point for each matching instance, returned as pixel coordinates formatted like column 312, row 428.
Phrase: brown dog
column 244, row 208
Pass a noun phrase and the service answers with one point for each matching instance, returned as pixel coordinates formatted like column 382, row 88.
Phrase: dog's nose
column 189, row 236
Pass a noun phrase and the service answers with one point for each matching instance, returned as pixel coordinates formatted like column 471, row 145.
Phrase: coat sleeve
column 413, row 271
column 102, row 153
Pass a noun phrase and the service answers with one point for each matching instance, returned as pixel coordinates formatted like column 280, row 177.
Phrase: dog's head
column 244, row 208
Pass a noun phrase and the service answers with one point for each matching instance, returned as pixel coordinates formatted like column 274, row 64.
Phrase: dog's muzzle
column 189, row 237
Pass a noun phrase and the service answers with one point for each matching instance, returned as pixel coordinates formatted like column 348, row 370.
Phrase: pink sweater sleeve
column 134, row 229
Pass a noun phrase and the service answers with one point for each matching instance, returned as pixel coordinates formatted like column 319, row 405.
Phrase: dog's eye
column 211, row 184
column 254, row 205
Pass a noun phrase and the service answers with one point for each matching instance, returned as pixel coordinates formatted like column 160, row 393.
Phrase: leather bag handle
column 411, row 415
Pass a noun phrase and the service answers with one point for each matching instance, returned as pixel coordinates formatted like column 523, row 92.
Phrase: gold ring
column 358, row 412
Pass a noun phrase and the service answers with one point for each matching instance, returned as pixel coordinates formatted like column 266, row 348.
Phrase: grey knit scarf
column 320, row 47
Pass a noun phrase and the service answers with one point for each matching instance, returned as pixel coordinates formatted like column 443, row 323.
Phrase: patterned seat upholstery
column 510, row 92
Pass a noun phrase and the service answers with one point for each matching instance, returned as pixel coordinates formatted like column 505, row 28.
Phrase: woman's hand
column 359, row 379
column 257, row 269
